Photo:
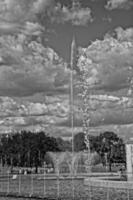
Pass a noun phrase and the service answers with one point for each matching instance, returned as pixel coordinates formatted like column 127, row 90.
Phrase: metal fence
column 65, row 186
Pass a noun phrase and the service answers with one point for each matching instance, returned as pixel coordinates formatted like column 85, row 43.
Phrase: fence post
column 128, row 194
column 58, row 184
column 90, row 191
column 0, row 184
column 107, row 190
column 44, row 194
column 31, row 193
column 19, row 189
column 8, row 182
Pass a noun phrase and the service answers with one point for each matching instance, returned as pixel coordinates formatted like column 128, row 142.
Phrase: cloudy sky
column 35, row 43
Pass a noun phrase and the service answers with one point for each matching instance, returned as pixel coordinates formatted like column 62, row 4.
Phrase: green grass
column 31, row 185
column 49, row 188
column 101, row 168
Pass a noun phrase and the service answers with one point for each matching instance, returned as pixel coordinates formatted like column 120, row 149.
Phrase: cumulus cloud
column 8, row 107
column 37, row 109
column 58, row 107
column 26, row 114
column 119, row 4
column 96, row 102
column 78, row 17
column 30, row 16
column 108, row 64
column 103, row 110
column 7, row 27
column 31, row 28
column 19, row 83
column 15, row 10
column 39, row 69
column 41, row 5
column 108, row 67
column 124, row 35
column 16, row 15
column 102, row 117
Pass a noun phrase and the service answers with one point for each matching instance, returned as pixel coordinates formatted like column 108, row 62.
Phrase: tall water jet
column 72, row 63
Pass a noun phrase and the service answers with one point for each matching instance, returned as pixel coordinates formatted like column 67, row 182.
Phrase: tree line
column 28, row 149
column 108, row 145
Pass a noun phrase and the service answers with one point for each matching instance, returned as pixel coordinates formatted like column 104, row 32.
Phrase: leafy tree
column 111, row 148
column 64, row 145
column 79, row 144
column 108, row 145
column 26, row 149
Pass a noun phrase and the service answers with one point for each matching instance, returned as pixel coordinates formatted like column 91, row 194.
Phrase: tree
column 112, row 146
column 26, row 149
column 64, row 145
column 79, row 144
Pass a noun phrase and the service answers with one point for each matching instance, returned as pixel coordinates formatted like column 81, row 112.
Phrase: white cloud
column 14, row 113
column 37, row 109
column 124, row 35
column 108, row 63
column 109, row 68
column 42, row 5
column 22, row 16
column 103, row 110
column 77, row 16
column 33, row 69
column 15, row 10
column 119, row 4
column 31, row 28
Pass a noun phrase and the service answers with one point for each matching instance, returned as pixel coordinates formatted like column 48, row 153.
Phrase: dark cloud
column 20, row 83
column 116, row 81
column 103, row 117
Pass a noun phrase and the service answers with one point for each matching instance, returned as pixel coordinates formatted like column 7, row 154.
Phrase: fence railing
column 60, row 186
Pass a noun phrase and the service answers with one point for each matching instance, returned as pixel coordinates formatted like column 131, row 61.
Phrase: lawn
column 60, row 188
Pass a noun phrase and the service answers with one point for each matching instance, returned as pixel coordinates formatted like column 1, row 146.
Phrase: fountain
column 85, row 110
